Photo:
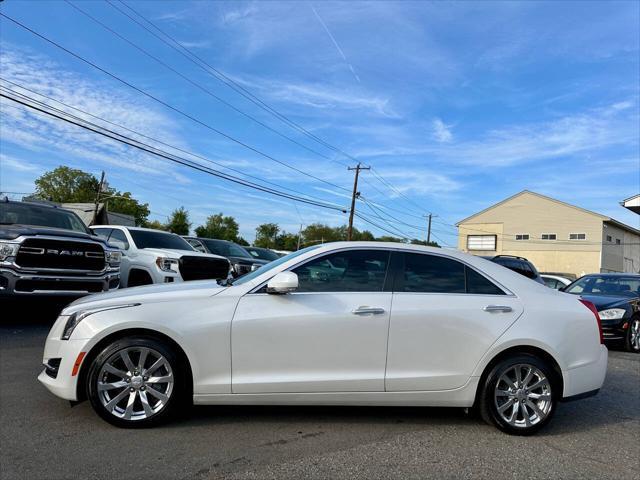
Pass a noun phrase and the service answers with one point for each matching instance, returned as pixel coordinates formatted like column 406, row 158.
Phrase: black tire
column 634, row 327
column 178, row 393
column 488, row 401
column 138, row 278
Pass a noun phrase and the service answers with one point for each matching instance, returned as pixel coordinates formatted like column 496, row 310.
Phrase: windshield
column 270, row 266
column 226, row 249
column 149, row 239
column 626, row 286
column 36, row 215
column 263, row 253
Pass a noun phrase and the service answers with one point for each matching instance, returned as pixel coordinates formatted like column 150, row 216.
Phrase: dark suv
column 519, row 265
column 241, row 261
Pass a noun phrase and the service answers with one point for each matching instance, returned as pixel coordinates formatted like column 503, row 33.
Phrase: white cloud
column 39, row 133
column 441, row 131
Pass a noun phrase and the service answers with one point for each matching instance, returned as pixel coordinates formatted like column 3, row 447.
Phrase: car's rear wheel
column 136, row 382
column 519, row 395
column 632, row 342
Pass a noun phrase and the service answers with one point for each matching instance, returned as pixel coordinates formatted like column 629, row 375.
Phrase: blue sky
column 457, row 105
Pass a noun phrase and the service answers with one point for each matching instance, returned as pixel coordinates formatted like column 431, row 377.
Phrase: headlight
column 255, row 266
column 8, row 250
column 113, row 257
column 167, row 264
column 74, row 319
column 612, row 313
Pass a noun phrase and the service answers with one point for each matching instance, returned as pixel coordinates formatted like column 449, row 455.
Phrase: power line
column 167, row 105
column 160, row 153
column 238, row 88
column 194, row 83
column 240, row 172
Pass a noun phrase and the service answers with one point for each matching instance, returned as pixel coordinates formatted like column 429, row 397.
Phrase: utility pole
column 355, row 194
column 95, row 210
column 429, row 228
column 299, row 236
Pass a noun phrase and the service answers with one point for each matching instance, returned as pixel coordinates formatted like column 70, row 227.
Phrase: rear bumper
column 34, row 284
column 586, row 379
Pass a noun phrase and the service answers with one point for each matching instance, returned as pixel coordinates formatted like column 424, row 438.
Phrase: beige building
column 555, row 236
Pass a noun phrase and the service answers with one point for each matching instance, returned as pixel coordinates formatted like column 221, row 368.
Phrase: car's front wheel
column 518, row 395
column 632, row 343
column 136, row 382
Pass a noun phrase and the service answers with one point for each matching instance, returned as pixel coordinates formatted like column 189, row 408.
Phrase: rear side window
column 480, row 285
column 102, row 232
column 434, row 274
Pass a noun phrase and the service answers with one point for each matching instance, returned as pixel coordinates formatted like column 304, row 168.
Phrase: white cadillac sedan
column 358, row 323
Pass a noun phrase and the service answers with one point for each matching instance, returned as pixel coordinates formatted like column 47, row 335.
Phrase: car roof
column 125, row 227
column 210, row 239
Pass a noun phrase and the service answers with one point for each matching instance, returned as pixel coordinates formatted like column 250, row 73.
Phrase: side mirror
column 283, row 282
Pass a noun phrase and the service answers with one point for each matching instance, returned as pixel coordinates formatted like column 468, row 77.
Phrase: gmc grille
column 60, row 254
column 202, row 268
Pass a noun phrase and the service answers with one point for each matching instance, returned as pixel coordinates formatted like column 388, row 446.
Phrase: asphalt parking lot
column 42, row 437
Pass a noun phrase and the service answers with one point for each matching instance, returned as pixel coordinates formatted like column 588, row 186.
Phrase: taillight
column 593, row 308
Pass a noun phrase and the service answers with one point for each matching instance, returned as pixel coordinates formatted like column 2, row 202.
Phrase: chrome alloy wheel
column 135, row 383
column 635, row 334
column 523, row 396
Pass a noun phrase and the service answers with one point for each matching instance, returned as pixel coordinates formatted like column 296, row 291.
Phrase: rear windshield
column 148, row 239
column 28, row 214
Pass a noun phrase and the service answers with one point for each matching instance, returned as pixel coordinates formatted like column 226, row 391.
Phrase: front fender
column 201, row 327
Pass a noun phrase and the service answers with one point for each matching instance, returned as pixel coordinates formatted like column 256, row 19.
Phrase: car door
column 445, row 316
column 330, row 335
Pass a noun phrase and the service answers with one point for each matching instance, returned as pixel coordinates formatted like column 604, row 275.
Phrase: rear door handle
column 497, row 308
column 368, row 310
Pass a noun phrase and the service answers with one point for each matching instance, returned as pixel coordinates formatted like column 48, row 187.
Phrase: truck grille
column 202, row 268
column 60, row 254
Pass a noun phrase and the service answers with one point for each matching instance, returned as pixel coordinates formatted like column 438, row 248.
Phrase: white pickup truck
column 153, row 256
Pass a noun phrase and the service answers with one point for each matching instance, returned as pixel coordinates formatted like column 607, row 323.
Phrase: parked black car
column 262, row 253
column 241, row 261
column 617, row 298
column 519, row 265
column 46, row 251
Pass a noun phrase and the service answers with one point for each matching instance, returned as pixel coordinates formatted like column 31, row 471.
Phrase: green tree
column 179, row 222
column 415, row 241
column 286, row 241
column 67, row 185
column 387, row 238
column 220, row 227
column 70, row 185
column 321, row 233
column 242, row 241
column 266, row 235
column 156, row 224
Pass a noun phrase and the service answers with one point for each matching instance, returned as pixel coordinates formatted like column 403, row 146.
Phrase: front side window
column 102, row 232
column 424, row 273
column 197, row 245
column 348, row 271
column 119, row 239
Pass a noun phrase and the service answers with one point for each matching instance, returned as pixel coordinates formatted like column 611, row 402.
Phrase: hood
column 610, row 301
column 11, row 232
column 165, row 292
column 247, row 260
column 170, row 252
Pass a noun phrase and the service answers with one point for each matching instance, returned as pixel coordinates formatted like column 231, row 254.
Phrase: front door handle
column 497, row 308
column 368, row 310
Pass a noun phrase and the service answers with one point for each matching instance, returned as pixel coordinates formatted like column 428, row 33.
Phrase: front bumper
column 586, row 378
column 615, row 330
column 65, row 384
column 19, row 284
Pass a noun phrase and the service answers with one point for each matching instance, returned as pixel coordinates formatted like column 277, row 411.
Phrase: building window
column 577, row 236
column 618, row 242
column 522, row 236
column 609, row 239
column 481, row 242
column 548, row 236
